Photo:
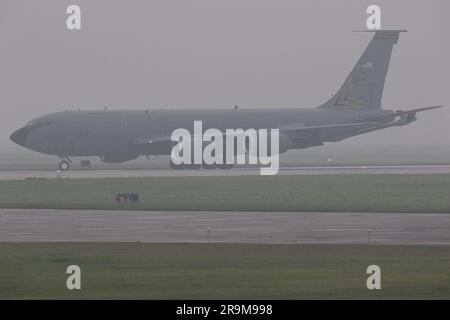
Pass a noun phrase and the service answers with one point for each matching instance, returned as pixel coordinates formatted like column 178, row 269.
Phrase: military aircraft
column 118, row 136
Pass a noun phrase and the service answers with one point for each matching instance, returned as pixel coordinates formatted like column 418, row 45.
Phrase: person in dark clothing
column 127, row 197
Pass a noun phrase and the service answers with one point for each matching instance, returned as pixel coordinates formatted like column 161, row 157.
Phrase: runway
column 83, row 174
column 32, row 225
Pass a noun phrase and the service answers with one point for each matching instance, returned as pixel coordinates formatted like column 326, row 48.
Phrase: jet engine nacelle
column 115, row 158
column 285, row 143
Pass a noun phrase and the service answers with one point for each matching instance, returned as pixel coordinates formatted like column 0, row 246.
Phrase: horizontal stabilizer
column 404, row 114
column 401, row 112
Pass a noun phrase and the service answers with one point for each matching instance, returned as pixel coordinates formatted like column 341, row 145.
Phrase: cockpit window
column 39, row 124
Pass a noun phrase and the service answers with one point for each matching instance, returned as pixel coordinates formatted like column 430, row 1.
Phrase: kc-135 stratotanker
column 118, row 136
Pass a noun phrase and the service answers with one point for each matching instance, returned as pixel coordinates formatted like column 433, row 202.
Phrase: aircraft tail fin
column 363, row 88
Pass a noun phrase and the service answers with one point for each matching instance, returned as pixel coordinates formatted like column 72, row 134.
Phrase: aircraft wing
column 153, row 139
column 153, row 145
column 302, row 128
column 326, row 131
column 305, row 136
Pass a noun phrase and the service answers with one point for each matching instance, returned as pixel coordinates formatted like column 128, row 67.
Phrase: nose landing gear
column 64, row 165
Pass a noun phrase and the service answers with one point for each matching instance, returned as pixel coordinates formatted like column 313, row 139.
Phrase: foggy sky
column 215, row 54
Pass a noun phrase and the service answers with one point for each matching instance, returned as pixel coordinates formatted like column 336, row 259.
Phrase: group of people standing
column 127, row 197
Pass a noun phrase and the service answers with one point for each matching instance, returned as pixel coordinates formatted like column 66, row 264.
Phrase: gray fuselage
column 124, row 135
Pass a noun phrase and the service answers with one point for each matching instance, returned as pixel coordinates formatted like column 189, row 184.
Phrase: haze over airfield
column 199, row 53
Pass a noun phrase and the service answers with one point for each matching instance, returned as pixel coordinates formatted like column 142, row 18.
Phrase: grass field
column 216, row 271
column 352, row 193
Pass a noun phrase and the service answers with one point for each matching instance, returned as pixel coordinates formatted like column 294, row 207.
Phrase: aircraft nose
column 19, row 136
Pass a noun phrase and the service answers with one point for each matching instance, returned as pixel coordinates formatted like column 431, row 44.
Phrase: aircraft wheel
column 193, row 166
column 184, row 166
column 175, row 166
column 64, row 165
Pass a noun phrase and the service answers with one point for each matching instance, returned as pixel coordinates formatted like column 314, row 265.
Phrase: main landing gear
column 198, row 166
